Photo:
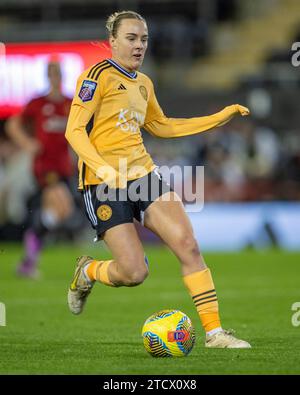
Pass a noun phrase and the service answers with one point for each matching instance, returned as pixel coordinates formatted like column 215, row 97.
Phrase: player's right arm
column 85, row 103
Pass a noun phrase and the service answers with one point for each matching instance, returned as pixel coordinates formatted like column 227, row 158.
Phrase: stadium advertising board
column 23, row 69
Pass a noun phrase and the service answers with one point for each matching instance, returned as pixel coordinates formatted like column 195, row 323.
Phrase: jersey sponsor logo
column 122, row 87
column 55, row 124
column 87, row 90
column 104, row 212
column 144, row 92
column 130, row 121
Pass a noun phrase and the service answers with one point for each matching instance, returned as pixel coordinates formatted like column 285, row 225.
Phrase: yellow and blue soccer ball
column 168, row 333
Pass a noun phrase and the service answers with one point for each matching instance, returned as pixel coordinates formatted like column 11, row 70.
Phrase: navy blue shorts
column 106, row 208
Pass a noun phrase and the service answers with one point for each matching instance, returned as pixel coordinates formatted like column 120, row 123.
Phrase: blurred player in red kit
column 39, row 130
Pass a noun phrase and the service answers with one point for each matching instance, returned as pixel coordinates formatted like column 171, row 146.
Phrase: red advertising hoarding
column 23, row 69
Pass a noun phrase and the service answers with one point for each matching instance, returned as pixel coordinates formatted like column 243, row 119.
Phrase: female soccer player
column 112, row 101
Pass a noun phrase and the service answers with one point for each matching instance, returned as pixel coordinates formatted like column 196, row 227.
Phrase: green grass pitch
column 256, row 291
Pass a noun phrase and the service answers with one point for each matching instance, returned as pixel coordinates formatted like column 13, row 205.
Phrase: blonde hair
column 114, row 20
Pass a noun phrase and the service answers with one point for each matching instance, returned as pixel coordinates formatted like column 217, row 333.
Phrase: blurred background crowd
column 202, row 56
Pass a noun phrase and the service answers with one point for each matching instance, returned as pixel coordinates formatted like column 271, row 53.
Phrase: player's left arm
column 159, row 125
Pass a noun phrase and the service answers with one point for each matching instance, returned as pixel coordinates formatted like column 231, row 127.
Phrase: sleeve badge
column 87, row 90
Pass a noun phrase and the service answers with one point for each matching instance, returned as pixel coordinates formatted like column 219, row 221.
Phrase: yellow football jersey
column 109, row 108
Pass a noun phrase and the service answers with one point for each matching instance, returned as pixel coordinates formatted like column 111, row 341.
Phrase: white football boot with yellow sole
column 80, row 287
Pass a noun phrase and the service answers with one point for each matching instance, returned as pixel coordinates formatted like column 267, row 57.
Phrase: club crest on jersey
column 104, row 212
column 144, row 92
column 87, row 90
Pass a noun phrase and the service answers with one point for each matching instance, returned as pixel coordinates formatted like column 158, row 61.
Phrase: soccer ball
column 168, row 333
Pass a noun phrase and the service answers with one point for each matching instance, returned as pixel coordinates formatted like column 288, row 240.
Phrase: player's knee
column 188, row 244
column 136, row 277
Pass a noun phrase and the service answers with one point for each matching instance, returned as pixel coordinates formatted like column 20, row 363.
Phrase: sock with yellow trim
column 202, row 290
column 98, row 271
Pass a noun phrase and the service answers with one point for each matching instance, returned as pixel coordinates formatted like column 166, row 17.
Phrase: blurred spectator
column 39, row 131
